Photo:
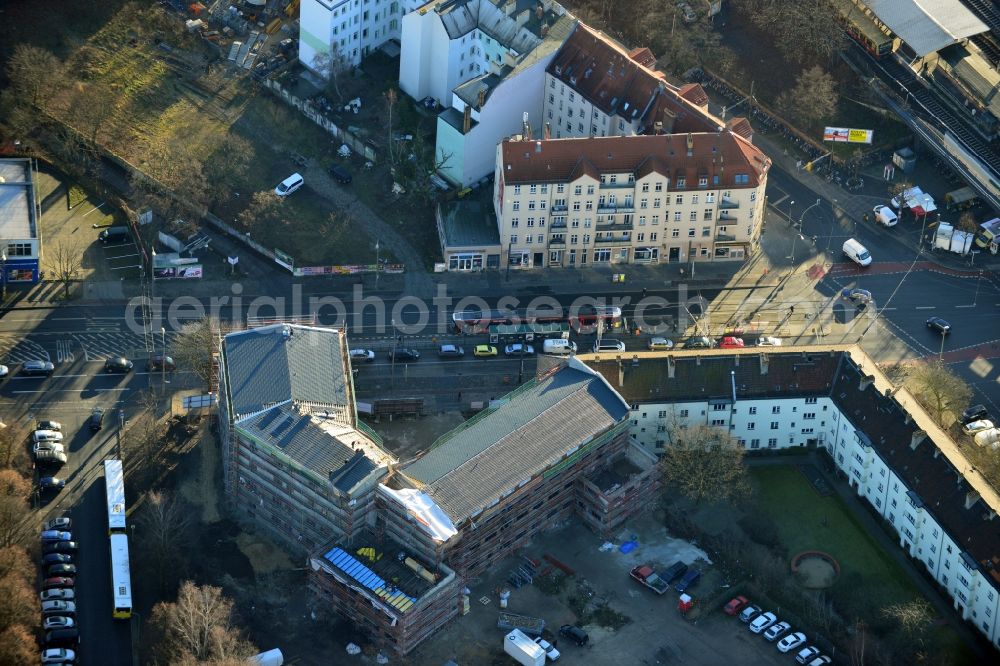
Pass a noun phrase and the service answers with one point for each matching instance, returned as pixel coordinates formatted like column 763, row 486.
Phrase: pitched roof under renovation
column 690, row 156
column 471, row 467
column 272, row 364
column 927, row 26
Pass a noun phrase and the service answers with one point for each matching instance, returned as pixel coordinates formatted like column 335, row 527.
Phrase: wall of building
column 354, row 27
column 793, row 422
column 585, row 221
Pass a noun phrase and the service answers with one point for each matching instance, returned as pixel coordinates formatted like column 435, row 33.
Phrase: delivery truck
column 524, row 650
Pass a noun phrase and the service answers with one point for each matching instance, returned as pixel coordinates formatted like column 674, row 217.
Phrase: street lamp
column 799, row 233
column 790, row 204
column 163, row 353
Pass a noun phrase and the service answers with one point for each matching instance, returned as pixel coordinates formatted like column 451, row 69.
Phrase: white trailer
column 948, row 238
column 524, row 650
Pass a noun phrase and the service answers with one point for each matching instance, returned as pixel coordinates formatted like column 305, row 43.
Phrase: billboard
column 847, row 135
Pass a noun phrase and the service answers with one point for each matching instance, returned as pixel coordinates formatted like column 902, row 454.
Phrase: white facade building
column 351, row 28
column 914, row 475
column 629, row 199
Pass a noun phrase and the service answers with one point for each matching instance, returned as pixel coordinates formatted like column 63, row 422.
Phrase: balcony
column 557, row 242
column 557, row 225
column 725, row 216
column 613, row 239
column 725, row 238
column 615, row 226
column 559, row 209
column 616, row 186
column 617, row 208
column 725, row 203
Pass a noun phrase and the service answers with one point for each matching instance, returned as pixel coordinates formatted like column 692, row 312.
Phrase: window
column 514, row 222
column 586, row 239
column 533, row 189
column 710, row 197
column 707, row 214
column 652, row 236
column 774, row 425
column 807, row 431
column 742, row 179
column 578, row 190
column 771, row 443
column 718, row 407
column 811, row 401
column 684, row 413
column 575, row 223
column 679, row 199
column 776, row 409
column 675, row 233
column 706, row 232
column 574, row 239
column 517, row 189
column 718, row 422
column 590, row 188
column 754, row 443
column 693, row 216
column 602, row 255
column 691, row 232
column 809, row 416
column 530, row 241
column 751, row 426
column 677, row 216
column 531, row 204
column 531, row 221
column 662, row 414
column 753, row 410
column 513, row 239
column 702, row 181
column 681, row 182
column 640, row 237
column 560, row 189
column 656, row 202
column 645, row 187
column 19, row 249
column 642, row 220
column 643, row 203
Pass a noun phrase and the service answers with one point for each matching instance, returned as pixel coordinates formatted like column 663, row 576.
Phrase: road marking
column 965, row 306
column 75, row 390
column 925, row 307
column 97, row 207
column 63, row 351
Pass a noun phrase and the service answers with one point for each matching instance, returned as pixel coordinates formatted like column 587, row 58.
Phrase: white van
column 609, row 345
column 885, row 216
column 857, row 253
column 559, row 347
column 40, row 436
column 289, row 185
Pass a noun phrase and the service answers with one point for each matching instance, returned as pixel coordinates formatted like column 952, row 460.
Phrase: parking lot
column 652, row 630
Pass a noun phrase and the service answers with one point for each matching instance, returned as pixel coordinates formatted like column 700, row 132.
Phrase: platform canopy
column 927, row 25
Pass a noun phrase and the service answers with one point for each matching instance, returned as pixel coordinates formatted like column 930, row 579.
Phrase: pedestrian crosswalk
column 17, row 349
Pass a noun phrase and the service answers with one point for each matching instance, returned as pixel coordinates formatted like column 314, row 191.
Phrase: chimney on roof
column 621, row 373
column 971, row 498
column 658, row 127
column 525, row 126
column 917, row 437
column 539, row 12
column 482, row 97
column 538, row 147
column 547, row 131
column 909, row 418
column 671, row 367
column 544, row 31
column 509, row 7
column 668, row 121
column 763, row 364
column 866, row 381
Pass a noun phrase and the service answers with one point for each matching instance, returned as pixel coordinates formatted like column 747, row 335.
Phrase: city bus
column 121, row 577
column 114, row 488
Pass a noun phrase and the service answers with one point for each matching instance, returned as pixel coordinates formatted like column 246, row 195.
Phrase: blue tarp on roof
column 369, row 579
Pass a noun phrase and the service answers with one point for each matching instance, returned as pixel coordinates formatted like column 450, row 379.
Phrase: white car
column 977, row 426
column 885, row 216
column 807, row 654
column 821, row 660
column 60, row 523
column 776, row 631
column 58, row 656
column 289, row 185
column 59, row 593
column 989, row 437
column 4, row 371
column 762, row 622
column 53, row 447
column 768, row 341
column 364, row 355
column 550, row 651
column 57, row 622
column 791, row 641
column 57, row 607
column 46, row 436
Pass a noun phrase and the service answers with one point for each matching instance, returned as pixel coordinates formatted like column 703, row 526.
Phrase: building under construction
column 391, row 545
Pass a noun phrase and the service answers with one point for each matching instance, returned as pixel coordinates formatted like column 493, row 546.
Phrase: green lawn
column 806, row 521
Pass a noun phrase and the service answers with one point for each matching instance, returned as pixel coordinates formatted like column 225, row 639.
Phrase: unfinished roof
column 927, row 25
column 273, row 364
column 467, row 223
column 472, row 467
column 720, row 157
column 17, row 200
column 619, row 82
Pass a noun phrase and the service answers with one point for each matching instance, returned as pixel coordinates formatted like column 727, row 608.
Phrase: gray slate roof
column 263, row 367
column 17, row 200
column 305, row 441
column 473, row 466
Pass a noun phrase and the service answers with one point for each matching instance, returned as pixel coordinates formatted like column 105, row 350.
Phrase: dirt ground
column 653, row 631
column 406, row 437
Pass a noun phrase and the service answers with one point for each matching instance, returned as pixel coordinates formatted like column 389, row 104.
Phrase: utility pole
column 392, row 361
column 378, row 265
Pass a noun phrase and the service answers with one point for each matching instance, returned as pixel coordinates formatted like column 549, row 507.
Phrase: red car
column 731, row 343
column 735, row 605
column 62, row 581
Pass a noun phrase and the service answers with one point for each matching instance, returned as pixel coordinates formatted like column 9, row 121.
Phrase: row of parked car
column 767, row 624
column 58, row 594
column 49, row 452
column 976, row 423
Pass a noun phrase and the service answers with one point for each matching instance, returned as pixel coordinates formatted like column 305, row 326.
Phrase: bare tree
column 798, row 28
column 164, row 529
column 967, row 222
column 64, row 260
column 913, row 616
column 35, row 74
column 333, row 65
column 12, row 438
column 199, row 626
column 141, row 443
column 18, row 600
column 14, row 509
column 394, row 147
column 813, row 98
column 897, row 188
column 940, row 391
column 266, row 209
column 704, row 464
column 194, row 346
column 227, row 167
column 857, row 643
